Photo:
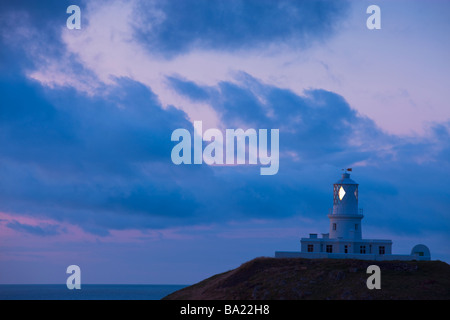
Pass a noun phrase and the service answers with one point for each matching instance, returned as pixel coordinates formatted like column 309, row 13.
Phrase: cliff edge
column 343, row 279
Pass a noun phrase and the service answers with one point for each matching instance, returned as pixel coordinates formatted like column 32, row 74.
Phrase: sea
column 87, row 292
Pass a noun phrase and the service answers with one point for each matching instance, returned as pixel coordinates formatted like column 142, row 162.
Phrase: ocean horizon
column 87, row 291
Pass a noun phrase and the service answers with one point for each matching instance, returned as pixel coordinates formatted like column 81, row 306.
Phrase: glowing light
column 341, row 193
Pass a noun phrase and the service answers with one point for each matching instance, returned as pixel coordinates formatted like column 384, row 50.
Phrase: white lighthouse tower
column 345, row 217
column 345, row 237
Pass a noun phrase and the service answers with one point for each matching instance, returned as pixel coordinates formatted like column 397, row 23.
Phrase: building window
column 356, row 227
column 310, row 248
column 362, row 249
column 335, row 194
column 381, row 250
column 329, row 248
column 334, row 226
column 345, row 249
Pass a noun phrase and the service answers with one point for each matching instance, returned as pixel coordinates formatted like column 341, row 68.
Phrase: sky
column 86, row 118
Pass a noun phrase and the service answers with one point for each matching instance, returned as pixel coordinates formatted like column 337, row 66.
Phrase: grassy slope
column 270, row 278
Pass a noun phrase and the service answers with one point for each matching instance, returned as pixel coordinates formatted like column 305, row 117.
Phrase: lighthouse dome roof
column 345, row 179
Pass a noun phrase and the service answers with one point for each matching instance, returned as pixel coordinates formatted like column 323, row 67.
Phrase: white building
column 344, row 239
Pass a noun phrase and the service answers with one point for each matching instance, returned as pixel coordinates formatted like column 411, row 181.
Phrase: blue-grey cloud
column 39, row 230
column 319, row 124
column 71, row 156
column 104, row 162
column 236, row 24
column 402, row 179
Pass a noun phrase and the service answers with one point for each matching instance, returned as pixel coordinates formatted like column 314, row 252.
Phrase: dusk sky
column 86, row 118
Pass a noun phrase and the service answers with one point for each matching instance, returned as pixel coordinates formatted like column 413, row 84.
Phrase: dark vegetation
column 295, row 278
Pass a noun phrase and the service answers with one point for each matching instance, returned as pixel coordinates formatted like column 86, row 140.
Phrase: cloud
column 125, row 39
column 88, row 140
column 134, row 39
column 39, row 230
column 320, row 133
column 70, row 156
column 103, row 162
column 174, row 27
column 316, row 124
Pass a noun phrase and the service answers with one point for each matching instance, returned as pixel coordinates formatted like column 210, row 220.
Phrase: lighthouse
column 345, row 238
column 345, row 217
